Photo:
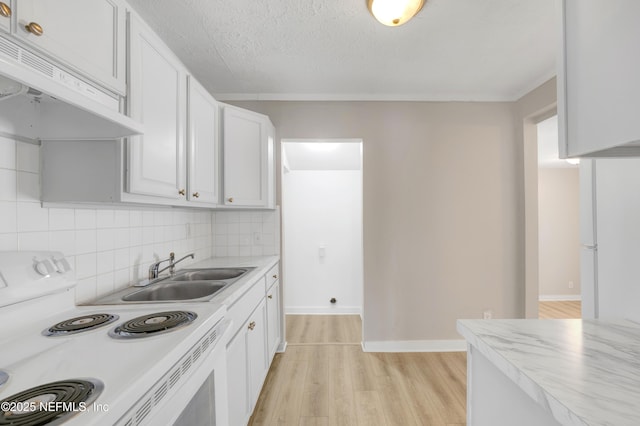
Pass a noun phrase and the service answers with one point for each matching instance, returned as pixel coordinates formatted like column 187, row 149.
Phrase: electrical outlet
column 570, row 284
column 187, row 230
column 488, row 314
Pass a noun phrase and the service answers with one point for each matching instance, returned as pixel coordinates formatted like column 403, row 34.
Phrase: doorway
column 558, row 227
column 322, row 251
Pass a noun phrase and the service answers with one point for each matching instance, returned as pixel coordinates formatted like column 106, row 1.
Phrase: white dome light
column 394, row 12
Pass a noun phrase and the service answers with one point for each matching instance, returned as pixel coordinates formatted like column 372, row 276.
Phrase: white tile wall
column 109, row 248
column 246, row 233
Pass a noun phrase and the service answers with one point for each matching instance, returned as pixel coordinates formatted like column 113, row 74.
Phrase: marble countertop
column 584, row 372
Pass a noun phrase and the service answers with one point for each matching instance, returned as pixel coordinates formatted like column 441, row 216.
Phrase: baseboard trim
column 416, row 346
column 559, row 297
column 282, row 347
column 313, row 310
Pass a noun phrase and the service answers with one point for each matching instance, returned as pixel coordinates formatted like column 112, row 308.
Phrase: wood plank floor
column 559, row 310
column 324, row 329
column 324, row 378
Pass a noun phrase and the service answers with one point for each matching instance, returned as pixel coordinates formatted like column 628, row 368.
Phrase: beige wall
column 559, row 231
column 441, row 189
column 532, row 108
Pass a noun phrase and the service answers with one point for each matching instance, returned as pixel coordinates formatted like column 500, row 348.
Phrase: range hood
column 39, row 100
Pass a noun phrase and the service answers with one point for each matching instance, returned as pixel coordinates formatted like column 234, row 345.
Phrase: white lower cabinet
column 257, row 352
column 237, row 380
column 251, row 350
column 247, row 366
column 273, row 319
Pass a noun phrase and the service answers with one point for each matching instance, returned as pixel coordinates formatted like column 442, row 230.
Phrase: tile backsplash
column 110, row 248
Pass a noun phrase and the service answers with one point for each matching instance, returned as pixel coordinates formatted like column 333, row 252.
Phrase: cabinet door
column 257, row 351
column 202, row 145
column 245, row 157
column 5, row 15
column 273, row 319
column 86, row 35
column 598, row 84
column 237, row 379
column 157, row 99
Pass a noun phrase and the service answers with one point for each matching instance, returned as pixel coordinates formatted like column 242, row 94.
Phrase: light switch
column 322, row 250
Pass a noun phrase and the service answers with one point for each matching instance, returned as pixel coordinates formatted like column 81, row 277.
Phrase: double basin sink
column 192, row 285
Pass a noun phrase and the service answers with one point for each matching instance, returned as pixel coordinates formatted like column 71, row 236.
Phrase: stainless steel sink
column 187, row 285
column 209, row 274
column 172, row 290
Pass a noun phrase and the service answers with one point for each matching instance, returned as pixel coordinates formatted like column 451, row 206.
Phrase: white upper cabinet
column 203, row 151
column 157, row 98
column 5, row 15
column 246, row 157
column 86, row 35
column 598, row 78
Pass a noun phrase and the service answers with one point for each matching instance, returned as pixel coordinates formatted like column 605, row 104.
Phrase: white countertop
column 583, row 372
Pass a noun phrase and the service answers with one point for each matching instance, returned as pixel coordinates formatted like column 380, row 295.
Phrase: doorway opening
column 322, row 245
column 558, row 227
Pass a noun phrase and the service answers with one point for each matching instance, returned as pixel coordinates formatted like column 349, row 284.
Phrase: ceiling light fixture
column 394, row 12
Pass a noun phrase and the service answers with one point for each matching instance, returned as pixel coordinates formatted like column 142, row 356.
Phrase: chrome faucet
column 172, row 264
column 154, row 269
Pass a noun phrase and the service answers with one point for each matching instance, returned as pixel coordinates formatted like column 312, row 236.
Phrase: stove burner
column 3, row 377
column 153, row 324
column 79, row 324
column 49, row 404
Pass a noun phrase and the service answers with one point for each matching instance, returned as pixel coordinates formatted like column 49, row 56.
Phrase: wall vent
column 9, row 49
column 38, row 64
column 162, row 389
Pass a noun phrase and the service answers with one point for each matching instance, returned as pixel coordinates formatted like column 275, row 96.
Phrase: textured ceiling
column 334, row 49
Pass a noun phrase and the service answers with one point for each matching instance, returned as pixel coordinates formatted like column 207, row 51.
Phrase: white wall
column 109, row 248
column 322, row 208
column 559, row 233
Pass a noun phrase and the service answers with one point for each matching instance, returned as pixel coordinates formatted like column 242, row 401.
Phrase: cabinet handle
column 270, row 296
column 230, row 199
column 252, row 325
column 182, row 192
column 275, row 277
column 196, row 194
column 34, row 29
column 5, row 10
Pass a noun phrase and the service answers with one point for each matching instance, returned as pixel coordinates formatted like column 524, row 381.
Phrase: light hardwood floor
column 324, row 329
column 559, row 310
column 324, row 378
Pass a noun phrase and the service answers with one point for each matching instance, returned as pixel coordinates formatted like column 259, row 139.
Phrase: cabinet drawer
column 273, row 275
column 239, row 312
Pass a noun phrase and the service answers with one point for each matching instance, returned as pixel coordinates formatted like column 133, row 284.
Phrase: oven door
column 202, row 399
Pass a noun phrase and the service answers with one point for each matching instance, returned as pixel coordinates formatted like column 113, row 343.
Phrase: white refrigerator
column 610, row 237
